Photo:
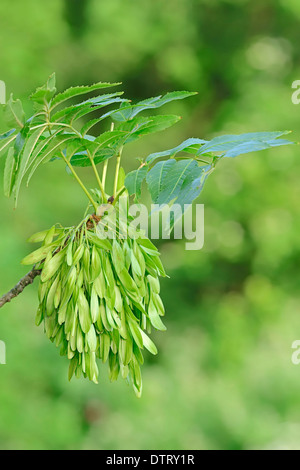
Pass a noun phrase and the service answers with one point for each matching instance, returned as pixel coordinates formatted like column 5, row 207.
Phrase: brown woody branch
column 18, row 289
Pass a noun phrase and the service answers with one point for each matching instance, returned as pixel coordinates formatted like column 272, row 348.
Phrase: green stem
column 104, row 174
column 202, row 161
column 70, row 166
column 60, row 124
column 79, row 182
column 97, row 176
column 112, row 126
column 117, row 171
column 8, row 142
column 121, row 191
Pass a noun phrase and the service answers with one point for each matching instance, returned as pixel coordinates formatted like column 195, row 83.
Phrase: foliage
column 223, row 378
column 50, row 134
column 97, row 298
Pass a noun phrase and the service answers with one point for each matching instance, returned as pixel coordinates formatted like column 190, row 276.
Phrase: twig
column 79, row 180
column 117, row 171
column 112, row 126
column 18, row 289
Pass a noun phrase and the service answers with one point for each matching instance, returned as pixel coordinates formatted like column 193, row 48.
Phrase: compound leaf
column 234, row 145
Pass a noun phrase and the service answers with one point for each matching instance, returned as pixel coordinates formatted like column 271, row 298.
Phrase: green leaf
column 7, row 134
column 8, row 138
column 80, row 90
column 20, row 143
column 21, row 139
column 81, row 145
column 191, row 145
column 111, row 138
column 76, row 111
column 81, row 159
column 139, row 127
column 172, row 182
column 156, row 177
column 9, row 172
column 134, row 179
column 25, row 158
column 55, row 143
column 90, row 124
column 234, row 145
column 190, row 189
column 105, row 146
column 43, row 95
column 176, row 182
column 127, row 113
column 13, row 113
column 41, row 146
column 99, row 102
column 108, row 140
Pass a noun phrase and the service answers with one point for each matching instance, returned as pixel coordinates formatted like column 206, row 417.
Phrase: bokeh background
column 223, row 378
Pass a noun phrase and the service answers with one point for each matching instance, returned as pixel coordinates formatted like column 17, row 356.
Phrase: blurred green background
column 223, row 378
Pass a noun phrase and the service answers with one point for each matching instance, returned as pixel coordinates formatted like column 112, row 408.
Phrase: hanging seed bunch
column 98, row 298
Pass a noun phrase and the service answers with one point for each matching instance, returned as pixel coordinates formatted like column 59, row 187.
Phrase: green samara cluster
column 97, row 299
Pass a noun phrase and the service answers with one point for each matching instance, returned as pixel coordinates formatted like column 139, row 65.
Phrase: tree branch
column 18, row 289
